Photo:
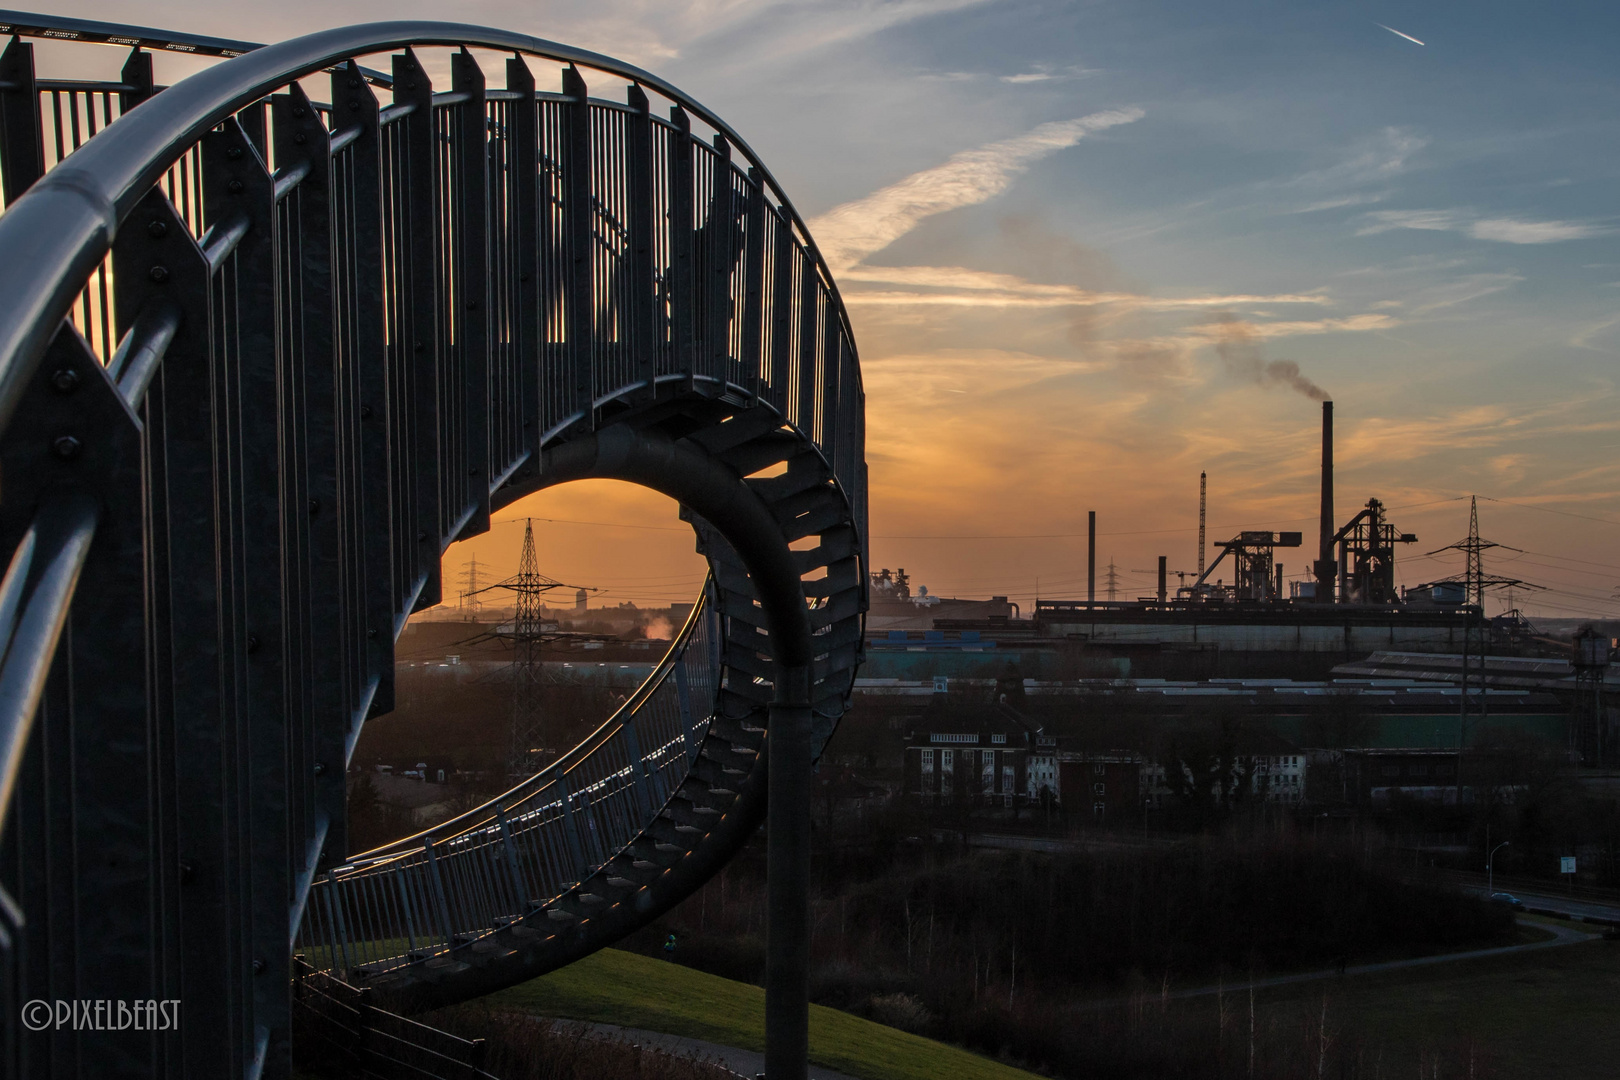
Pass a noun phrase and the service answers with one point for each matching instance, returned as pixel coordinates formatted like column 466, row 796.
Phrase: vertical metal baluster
column 683, row 260
column 683, row 697
column 831, row 366
column 782, row 259
column 398, row 877
column 310, row 472
column 137, row 75
column 156, row 261
column 340, row 948
column 753, row 313
column 809, row 293
column 638, row 768
column 519, row 890
column 416, row 190
column 22, row 142
column 441, row 902
column 237, row 186
column 720, row 235
column 472, row 249
column 639, row 268
column 71, row 836
column 358, row 223
column 524, row 185
column 576, row 850
column 578, row 218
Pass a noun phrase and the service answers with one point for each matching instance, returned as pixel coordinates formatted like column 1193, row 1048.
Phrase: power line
column 1473, row 548
column 1549, row 510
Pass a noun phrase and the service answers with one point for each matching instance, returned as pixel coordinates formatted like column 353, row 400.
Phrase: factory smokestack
column 1162, row 575
column 1325, row 570
column 1091, row 558
column 1203, row 485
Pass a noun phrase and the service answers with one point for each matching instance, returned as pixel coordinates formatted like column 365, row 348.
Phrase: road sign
column 1566, row 864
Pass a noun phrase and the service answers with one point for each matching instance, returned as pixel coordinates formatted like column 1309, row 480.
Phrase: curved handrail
column 471, row 878
column 471, row 819
column 62, row 228
column 728, row 299
column 96, row 32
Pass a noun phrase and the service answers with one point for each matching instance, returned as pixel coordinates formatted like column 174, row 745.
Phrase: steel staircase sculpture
column 262, row 359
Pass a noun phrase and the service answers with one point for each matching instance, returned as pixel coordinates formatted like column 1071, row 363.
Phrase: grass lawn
column 1546, row 1014
column 616, row 987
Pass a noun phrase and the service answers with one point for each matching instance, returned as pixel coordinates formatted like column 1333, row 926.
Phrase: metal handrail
column 484, row 813
column 63, row 226
column 96, row 32
column 34, row 599
column 722, row 312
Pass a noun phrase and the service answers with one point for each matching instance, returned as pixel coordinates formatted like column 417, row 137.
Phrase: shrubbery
column 1067, row 962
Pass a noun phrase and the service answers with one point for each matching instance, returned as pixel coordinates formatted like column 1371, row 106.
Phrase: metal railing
column 466, row 878
column 262, row 358
column 342, row 1032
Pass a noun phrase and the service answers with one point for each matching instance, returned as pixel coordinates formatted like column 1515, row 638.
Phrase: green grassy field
column 616, row 987
column 1545, row 1014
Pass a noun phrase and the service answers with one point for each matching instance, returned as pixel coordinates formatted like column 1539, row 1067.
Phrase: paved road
column 1060, row 844
column 1565, row 936
column 746, row 1063
column 1578, row 907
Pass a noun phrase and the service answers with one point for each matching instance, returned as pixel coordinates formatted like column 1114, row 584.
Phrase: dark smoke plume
column 1239, row 348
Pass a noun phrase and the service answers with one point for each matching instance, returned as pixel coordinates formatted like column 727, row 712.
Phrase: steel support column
column 787, row 877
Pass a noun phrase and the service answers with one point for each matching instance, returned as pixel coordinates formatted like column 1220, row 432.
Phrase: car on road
column 1508, row 899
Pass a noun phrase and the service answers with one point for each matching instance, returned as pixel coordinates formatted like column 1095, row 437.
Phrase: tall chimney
column 1162, row 574
column 1324, row 566
column 1091, row 558
column 1203, row 484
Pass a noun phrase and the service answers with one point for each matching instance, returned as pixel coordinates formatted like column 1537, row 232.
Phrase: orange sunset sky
column 1090, row 249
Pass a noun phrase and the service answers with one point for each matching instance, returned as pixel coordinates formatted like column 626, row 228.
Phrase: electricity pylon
column 1473, row 705
column 528, row 633
column 471, row 582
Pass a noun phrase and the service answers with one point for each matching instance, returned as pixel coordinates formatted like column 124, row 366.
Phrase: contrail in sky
column 1397, row 33
column 854, row 230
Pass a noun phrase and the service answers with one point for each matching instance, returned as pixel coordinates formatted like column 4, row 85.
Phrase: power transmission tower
column 1473, row 577
column 1111, row 579
column 1472, row 706
column 528, row 633
column 471, row 582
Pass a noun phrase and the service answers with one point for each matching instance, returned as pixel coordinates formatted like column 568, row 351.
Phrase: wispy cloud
column 849, row 233
column 1582, row 338
column 1515, row 231
column 750, row 32
column 1216, row 331
column 1370, row 160
column 1041, row 73
column 1341, row 201
column 1500, row 229
column 980, row 288
column 1467, row 288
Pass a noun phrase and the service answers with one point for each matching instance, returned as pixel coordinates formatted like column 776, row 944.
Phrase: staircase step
column 762, row 452
column 741, row 428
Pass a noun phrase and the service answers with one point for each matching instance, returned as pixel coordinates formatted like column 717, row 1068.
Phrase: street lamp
column 1489, row 873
